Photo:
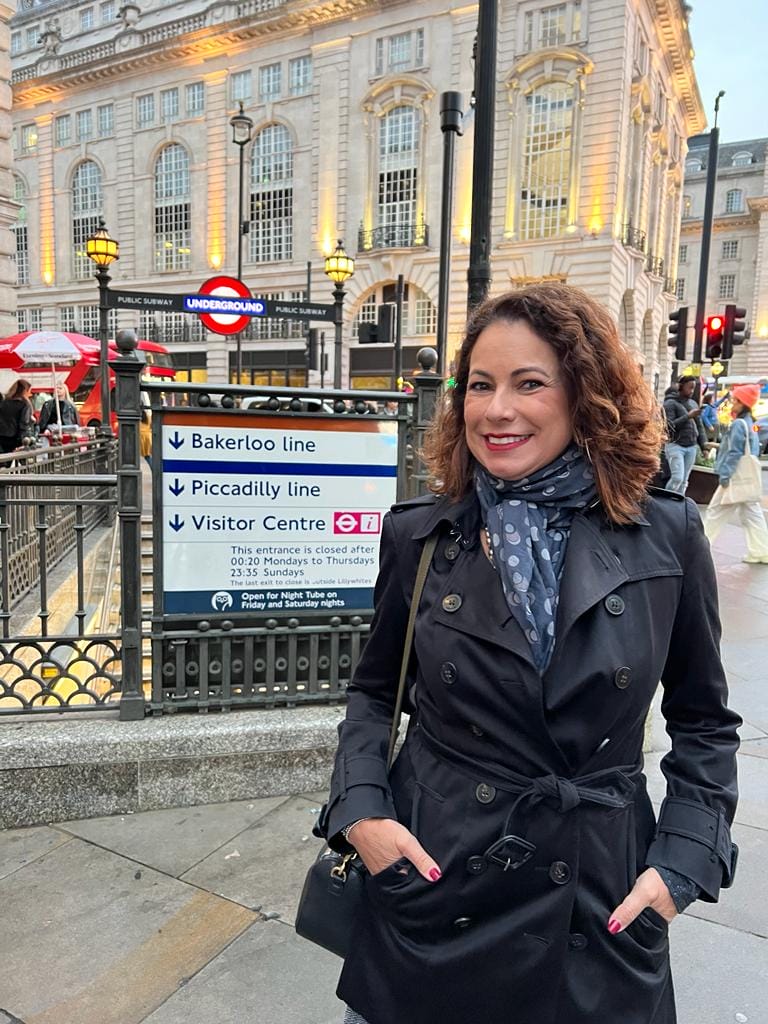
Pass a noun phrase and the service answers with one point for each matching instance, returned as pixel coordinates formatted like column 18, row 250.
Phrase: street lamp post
column 103, row 250
column 242, row 132
column 339, row 267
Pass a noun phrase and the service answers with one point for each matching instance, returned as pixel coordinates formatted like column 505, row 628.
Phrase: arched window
column 20, row 231
column 743, row 159
column 87, row 207
column 546, row 164
column 271, row 205
column 693, row 164
column 397, row 198
column 173, row 236
column 734, row 200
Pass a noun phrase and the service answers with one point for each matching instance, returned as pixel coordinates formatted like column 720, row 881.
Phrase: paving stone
column 755, row 747
column 41, row 795
column 172, row 840
column 264, row 866
column 22, row 846
column 268, row 975
column 118, row 940
column 718, row 973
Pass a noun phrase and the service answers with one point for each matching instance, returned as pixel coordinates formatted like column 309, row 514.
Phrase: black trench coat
column 528, row 791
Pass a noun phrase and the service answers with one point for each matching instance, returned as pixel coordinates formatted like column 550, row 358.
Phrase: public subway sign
column 271, row 515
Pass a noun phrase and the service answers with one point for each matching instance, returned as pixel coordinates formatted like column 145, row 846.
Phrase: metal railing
column 393, row 236
column 52, row 519
column 654, row 265
column 633, row 238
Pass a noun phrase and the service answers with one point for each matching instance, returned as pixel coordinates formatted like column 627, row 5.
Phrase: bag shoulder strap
column 418, row 589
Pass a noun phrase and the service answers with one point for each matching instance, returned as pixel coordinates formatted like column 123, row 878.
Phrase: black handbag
column 333, row 888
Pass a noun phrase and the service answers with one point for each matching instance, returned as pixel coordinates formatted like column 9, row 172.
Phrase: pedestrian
column 16, row 416
column 516, row 869
column 685, row 432
column 739, row 442
column 709, row 418
column 59, row 411
column 145, row 437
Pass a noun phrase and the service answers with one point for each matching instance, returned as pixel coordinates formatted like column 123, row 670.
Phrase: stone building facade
column 123, row 109
column 738, row 260
column 9, row 211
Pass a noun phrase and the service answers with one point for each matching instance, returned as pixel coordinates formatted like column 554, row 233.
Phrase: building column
column 9, row 210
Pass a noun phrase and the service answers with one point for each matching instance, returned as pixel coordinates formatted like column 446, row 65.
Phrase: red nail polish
column 614, row 926
column 435, row 874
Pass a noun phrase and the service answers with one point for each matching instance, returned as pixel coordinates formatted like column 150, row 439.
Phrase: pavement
column 185, row 916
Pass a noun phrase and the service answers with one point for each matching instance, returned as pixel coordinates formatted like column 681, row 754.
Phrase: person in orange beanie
column 740, row 489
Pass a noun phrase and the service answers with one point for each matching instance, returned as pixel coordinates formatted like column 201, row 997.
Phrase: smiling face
column 516, row 411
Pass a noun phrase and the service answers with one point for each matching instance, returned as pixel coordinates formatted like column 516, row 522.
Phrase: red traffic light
column 715, row 323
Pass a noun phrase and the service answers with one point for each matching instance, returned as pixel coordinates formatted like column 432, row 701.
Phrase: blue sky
column 729, row 38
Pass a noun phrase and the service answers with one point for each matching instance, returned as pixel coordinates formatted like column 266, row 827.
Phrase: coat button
column 614, row 604
column 448, row 672
column 559, row 872
column 622, row 677
column 462, row 922
column 485, row 794
column 451, row 602
column 452, row 552
column 577, row 941
column 476, row 865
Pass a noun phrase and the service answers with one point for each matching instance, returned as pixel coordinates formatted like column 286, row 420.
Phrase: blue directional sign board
column 272, row 514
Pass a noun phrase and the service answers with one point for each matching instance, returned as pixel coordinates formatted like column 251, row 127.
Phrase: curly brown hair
column 616, row 419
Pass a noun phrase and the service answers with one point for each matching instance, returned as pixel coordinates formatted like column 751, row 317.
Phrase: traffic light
column 734, row 329
column 383, row 331
column 714, row 326
column 678, row 327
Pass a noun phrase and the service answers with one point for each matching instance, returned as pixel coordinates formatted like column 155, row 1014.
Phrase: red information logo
column 356, row 522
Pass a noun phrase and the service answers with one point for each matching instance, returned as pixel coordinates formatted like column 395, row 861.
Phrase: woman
column 739, row 439
column 16, row 417
column 517, row 874
column 63, row 415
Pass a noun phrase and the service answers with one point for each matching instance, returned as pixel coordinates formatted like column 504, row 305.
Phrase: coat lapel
column 592, row 571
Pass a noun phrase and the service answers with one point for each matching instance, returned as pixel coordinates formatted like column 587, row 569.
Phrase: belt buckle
column 501, row 852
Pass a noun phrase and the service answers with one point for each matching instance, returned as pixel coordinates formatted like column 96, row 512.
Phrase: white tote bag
column 747, row 481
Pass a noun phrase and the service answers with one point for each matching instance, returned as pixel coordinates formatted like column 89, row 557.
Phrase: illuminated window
column 734, row 200
column 87, row 206
column 28, row 139
column 270, row 82
column 173, row 233
column 271, row 200
column 20, row 231
column 546, row 161
column 400, row 52
column 63, row 130
column 399, row 136
column 730, row 250
column 195, row 98
column 300, row 75
column 727, row 286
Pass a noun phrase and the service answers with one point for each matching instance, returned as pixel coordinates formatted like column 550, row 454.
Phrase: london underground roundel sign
column 225, row 287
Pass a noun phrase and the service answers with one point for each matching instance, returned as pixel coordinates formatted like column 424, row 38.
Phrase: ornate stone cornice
column 201, row 36
column 695, row 225
column 673, row 29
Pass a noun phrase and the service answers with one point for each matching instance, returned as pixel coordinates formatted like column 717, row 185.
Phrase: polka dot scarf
column 529, row 523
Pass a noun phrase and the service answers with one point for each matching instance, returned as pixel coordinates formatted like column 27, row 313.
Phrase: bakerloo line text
column 218, row 524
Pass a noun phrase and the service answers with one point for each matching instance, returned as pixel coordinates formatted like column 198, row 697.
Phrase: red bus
column 83, row 377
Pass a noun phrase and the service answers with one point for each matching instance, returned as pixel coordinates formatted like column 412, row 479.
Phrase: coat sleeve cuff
column 359, row 802
column 695, row 840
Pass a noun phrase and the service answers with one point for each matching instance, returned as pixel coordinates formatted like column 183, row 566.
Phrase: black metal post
column 240, row 236
column 706, row 237
column 427, row 384
column 338, row 298
column 397, row 367
column 479, row 272
column 451, row 104
column 323, row 357
column 128, row 368
column 308, row 298
column 102, row 276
